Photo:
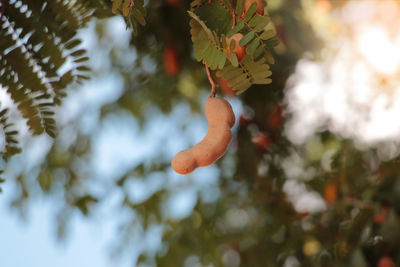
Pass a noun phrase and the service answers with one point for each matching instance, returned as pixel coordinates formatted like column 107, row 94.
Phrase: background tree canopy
column 92, row 115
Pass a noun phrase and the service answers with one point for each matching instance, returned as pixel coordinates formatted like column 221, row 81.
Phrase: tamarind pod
column 221, row 119
column 220, row 137
column 204, row 153
column 224, row 139
column 219, row 110
column 184, row 162
column 213, row 145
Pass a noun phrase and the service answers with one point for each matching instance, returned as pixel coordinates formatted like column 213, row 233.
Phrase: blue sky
column 33, row 243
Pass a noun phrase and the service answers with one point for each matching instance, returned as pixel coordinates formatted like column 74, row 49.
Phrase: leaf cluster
column 212, row 22
column 40, row 55
column 133, row 12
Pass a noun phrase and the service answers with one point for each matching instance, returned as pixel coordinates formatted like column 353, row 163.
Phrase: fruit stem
column 213, row 85
column 233, row 16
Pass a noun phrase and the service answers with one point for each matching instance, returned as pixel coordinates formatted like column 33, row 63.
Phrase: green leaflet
column 258, row 71
column 139, row 4
column 10, row 139
column 78, row 53
column 272, row 42
column 251, row 11
column 267, row 35
column 116, row 6
column 228, row 72
column 259, row 52
column 136, row 13
column 254, row 44
column 133, row 12
column 232, row 44
column 73, row 43
column 200, row 48
column 233, row 59
column 216, row 15
column 235, row 29
column 247, row 38
column 203, row 26
column 239, row 7
column 259, row 22
column 242, row 87
column 221, row 60
column 126, row 9
column 206, row 52
column 247, row 73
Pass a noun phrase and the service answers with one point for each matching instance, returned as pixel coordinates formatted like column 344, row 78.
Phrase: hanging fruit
column 171, row 61
column 221, row 119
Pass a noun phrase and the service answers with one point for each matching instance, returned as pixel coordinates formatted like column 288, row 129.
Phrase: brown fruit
column 221, row 119
column 240, row 51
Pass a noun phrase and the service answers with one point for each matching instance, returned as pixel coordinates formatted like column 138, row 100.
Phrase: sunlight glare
column 354, row 90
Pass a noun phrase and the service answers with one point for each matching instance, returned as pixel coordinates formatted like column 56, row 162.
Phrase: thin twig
column 233, row 16
column 233, row 19
column 213, row 85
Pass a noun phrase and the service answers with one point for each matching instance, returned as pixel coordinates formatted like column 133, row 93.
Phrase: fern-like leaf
column 258, row 38
column 10, row 140
column 207, row 45
column 36, row 39
column 216, row 15
column 247, row 73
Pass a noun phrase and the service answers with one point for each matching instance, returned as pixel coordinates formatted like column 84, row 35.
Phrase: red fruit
column 262, row 141
column 173, row 2
column 171, row 61
column 248, row 3
column 275, row 118
column 386, row 262
column 381, row 217
column 228, row 91
column 240, row 51
column 330, row 193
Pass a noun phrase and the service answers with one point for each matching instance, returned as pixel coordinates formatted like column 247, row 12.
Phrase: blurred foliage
column 37, row 38
column 253, row 222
